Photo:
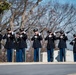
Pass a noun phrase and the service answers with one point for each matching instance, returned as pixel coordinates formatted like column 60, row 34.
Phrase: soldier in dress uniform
column 50, row 38
column 23, row 44
column 0, row 39
column 62, row 45
column 36, row 44
column 9, row 36
column 17, row 47
column 73, row 42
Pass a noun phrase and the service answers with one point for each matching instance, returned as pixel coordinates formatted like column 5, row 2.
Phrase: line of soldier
column 18, row 42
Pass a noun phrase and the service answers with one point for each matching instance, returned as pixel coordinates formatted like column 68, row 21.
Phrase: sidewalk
column 33, row 63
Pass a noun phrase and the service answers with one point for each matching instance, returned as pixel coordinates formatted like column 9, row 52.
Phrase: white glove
column 20, row 35
column 55, row 34
column 35, row 36
column 50, row 35
column 24, row 32
column 61, row 36
column 73, row 41
column 12, row 33
column 39, row 34
column 8, row 35
column 66, row 34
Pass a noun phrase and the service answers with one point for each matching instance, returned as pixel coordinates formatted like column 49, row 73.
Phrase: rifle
column 42, row 30
column 27, row 29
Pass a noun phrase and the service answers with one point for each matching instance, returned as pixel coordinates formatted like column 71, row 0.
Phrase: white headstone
column 69, row 56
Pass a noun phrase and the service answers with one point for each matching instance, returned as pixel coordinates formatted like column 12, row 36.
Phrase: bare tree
column 30, row 14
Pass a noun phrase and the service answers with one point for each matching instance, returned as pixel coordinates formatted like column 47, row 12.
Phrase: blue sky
column 67, row 1
column 60, row 1
column 63, row 1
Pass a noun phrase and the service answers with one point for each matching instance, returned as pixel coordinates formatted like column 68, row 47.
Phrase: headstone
column 69, row 56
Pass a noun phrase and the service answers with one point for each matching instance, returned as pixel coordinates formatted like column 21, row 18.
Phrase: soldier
column 17, row 47
column 9, row 36
column 0, row 40
column 73, row 42
column 36, row 44
column 62, row 45
column 23, row 43
column 50, row 45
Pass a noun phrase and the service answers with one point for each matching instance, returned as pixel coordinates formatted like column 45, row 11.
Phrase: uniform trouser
column 23, row 54
column 62, row 54
column 19, row 55
column 9, row 55
column 74, row 57
column 36, row 54
column 50, row 53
